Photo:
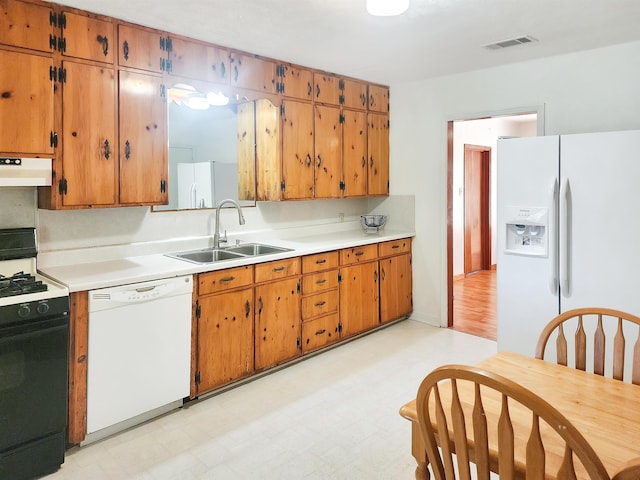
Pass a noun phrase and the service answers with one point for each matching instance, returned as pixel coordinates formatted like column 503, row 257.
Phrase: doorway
column 471, row 215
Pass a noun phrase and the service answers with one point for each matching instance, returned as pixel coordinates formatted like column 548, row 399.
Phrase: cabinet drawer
column 319, row 304
column 319, row 281
column 320, row 332
column 358, row 254
column 277, row 269
column 319, row 261
column 222, row 280
column 394, row 247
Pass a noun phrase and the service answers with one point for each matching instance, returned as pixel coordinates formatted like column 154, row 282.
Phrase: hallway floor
column 333, row 416
column 474, row 304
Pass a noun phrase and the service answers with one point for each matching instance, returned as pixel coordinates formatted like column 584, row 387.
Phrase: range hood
column 25, row 172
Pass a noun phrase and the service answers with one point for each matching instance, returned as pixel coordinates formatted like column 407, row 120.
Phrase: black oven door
column 33, row 396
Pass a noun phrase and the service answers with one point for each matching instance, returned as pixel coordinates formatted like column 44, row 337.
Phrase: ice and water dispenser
column 527, row 230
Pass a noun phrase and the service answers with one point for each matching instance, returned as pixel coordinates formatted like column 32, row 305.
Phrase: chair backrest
column 468, row 415
column 597, row 321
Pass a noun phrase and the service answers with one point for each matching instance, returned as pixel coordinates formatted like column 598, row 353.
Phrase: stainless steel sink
column 212, row 255
column 208, row 255
column 254, row 249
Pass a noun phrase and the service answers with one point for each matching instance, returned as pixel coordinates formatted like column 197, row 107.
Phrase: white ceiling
column 433, row 38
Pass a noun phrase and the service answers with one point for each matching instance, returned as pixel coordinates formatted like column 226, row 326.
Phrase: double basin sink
column 212, row 255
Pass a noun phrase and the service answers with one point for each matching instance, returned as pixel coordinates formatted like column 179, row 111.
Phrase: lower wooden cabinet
column 359, row 298
column 396, row 298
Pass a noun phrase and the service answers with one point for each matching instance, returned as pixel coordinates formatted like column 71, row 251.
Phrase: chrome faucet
column 216, row 235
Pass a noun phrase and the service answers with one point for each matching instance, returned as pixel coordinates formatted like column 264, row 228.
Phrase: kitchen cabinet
column 224, row 342
column 354, row 157
column 27, row 25
column 320, row 301
column 378, row 154
column 86, row 36
column 359, row 290
column 277, row 316
column 143, row 140
column 252, row 72
column 294, row 82
column 297, row 150
column 335, row 90
column 378, row 98
column 354, row 94
column 396, row 298
column 198, row 60
column 328, row 151
column 141, row 48
column 89, row 148
column 26, row 104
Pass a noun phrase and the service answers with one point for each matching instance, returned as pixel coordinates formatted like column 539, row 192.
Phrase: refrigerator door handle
column 552, row 236
column 564, row 237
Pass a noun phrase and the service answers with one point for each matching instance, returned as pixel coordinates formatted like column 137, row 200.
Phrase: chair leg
column 419, row 452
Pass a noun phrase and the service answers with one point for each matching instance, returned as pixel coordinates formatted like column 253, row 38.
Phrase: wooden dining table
column 605, row 411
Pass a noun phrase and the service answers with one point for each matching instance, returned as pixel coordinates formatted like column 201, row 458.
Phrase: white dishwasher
column 139, row 353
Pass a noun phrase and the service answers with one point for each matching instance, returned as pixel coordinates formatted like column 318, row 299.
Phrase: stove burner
column 20, row 283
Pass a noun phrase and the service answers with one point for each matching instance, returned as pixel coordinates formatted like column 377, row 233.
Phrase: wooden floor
column 474, row 304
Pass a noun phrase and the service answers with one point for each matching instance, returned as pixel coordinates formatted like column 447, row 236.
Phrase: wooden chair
column 458, row 409
column 599, row 319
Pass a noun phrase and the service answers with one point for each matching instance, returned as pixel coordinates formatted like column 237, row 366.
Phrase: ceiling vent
column 510, row 43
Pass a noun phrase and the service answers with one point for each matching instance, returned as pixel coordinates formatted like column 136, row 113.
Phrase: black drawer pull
column 359, row 254
column 227, row 279
column 396, row 246
column 279, row 269
column 320, row 304
column 320, row 262
column 321, row 281
column 320, row 332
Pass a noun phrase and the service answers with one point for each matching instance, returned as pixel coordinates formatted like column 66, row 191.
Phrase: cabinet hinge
column 169, row 44
column 341, row 118
column 282, row 186
column 53, row 19
column 282, row 110
column 341, row 84
column 163, row 64
column 163, row 91
column 62, row 186
column 62, row 44
column 280, row 87
column 298, row 343
column 198, row 310
column 53, row 74
column 197, row 377
column 339, row 277
column 341, row 99
column 53, row 139
column 53, row 42
column 342, row 185
column 163, row 186
column 279, row 70
column 169, row 66
column 163, row 43
column 62, row 20
column 339, row 327
column 298, row 287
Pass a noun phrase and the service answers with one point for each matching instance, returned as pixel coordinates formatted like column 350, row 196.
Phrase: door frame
column 447, row 304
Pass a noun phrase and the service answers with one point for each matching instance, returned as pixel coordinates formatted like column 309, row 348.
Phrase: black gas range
column 34, row 345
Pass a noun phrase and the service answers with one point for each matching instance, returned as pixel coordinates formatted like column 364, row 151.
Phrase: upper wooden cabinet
column 142, row 49
column 378, row 98
column 354, row 94
column 252, row 72
column 297, row 150
column 295, row 82
column 27, row 25
column 339, row 91
column 198, row 60
column 87, row 37
column 328, row 149
column 354, row 158
column 26, row 104
column 378, row 152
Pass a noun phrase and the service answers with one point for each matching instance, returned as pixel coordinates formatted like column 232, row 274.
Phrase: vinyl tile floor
column 332, row 416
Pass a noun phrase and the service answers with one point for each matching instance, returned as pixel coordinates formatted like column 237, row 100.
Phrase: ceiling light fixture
column 387, row 8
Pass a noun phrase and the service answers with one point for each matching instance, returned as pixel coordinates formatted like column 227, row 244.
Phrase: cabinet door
column 90, row 153
column 267, row 166
column 395, row 287
column 297, row 150
column 359, row 298
column 249, row 71
column 354, row 159
column 378, row 98
column 354, row 94
column 225, row 338
column 26, row 25
column 88, row 38
column 26, row 104
column 326, row 88
column 141, row 49
column 199, row 61
column 143, row 140
column 378, row 151
column 277, row 322
column 328, row 147
column 296, row 82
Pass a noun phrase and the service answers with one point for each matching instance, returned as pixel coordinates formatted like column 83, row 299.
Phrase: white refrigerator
column 568, row 228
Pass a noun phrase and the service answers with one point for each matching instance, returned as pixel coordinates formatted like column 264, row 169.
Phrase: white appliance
column 196, row 183
column 568, row 227
column 139, row 353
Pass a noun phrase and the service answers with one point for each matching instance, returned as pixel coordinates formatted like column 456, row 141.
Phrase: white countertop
column 110, row 272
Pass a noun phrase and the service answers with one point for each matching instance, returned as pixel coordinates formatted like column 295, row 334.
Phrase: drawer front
column 277, row 269
column 358, row 254
column 319, row 304
column 319, row 281
column 320, row 332
column 222, row 280
column 319, row 262
column 395, row 247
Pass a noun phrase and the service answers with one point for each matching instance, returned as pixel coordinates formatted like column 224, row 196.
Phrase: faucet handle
column 223, row 237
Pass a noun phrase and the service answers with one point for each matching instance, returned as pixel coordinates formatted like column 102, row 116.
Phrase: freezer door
column 527, row 293
column 601, row 195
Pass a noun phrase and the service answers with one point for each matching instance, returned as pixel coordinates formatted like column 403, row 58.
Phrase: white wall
column 589, row 91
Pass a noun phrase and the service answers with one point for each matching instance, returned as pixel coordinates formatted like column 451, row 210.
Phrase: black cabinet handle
column 317, row 90
column 127, row 149
column 309, row 89
column 105, row 44
column 125, row 50
column 107, row 149
column 235, row 72
column 223, row 69
column 308, row 159
column 247, row 309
